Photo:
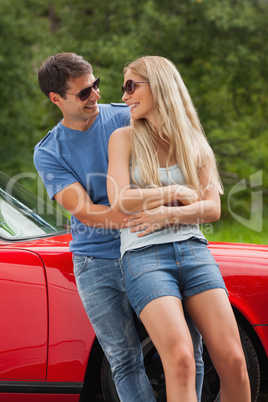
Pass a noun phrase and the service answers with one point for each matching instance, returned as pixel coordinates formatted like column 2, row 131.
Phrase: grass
column 227, row 230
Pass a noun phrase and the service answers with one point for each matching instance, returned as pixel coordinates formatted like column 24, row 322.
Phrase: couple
column 162, row 175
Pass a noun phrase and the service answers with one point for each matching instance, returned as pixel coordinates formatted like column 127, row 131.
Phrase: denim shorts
column 179, row 269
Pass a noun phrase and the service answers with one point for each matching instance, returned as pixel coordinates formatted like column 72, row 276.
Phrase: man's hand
column 186, row 195
column 149, row 221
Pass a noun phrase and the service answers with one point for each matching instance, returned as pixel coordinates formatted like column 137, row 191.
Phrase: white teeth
column 132, row 106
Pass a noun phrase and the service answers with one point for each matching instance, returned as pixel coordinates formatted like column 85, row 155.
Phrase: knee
column 239, row 366
column 235, row 365
column 182, row 363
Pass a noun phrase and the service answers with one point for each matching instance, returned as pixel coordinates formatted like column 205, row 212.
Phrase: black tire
column 154, row 371
column 211, row 386
column 107, row 384
column 211, row 383
column 253, row 365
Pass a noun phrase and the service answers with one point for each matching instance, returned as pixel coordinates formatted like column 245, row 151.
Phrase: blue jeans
column 198, row 355
column 100, row 284
column 101, row 288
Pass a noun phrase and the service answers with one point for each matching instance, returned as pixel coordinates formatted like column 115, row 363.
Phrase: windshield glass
column 23, row 215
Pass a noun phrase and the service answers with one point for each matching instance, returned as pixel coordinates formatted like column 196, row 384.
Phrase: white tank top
column 130, row 241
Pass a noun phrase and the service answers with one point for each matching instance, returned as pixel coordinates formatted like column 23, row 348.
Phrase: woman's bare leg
column 164, row 320
column 212, row 313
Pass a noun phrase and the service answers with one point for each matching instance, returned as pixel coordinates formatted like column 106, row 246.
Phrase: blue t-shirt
column 67, row 156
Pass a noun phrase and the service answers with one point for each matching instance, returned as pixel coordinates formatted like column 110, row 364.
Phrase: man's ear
column 55, row 98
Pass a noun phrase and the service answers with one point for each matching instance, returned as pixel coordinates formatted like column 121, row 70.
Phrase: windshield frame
column 24, row 216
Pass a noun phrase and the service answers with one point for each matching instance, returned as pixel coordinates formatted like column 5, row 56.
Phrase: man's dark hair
column 58, row 69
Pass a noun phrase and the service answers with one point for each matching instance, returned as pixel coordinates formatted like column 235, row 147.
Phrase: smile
column 133, row 106
column 91, row 107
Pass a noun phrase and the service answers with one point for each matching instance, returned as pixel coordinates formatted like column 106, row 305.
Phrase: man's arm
column 75, row 199
column 206, row 210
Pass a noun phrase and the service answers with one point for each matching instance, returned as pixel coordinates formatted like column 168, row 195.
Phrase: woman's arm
column 128, row 200
column 206, row 210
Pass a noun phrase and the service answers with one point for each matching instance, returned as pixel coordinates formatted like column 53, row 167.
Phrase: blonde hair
column 180, row 127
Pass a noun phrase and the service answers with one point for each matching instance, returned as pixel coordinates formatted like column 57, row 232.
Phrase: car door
column 23, row 316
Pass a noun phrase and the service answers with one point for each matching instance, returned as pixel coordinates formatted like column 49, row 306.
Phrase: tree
column 220, row 49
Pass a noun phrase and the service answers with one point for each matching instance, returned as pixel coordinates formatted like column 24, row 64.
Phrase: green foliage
column 220, row 48
column 235, row 232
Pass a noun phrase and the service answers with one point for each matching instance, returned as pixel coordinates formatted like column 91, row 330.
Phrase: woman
column 162, row 164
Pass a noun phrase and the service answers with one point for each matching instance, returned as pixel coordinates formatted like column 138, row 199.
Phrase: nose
column 125, row 96
column 96, row 93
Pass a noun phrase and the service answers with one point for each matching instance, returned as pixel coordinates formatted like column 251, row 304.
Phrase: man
column 72, row 161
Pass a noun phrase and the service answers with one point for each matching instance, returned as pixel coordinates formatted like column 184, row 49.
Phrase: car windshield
column 23, row 215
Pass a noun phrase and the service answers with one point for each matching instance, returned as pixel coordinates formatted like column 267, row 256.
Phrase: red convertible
column 48, row 349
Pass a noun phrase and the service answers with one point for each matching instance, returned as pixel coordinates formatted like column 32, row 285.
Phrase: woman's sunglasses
column 85, row 93
column 130, row 86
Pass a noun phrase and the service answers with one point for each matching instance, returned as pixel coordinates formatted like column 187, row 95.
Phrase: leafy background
column 220, row 48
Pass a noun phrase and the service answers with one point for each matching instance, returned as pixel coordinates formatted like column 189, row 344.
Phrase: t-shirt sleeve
column 55, row 176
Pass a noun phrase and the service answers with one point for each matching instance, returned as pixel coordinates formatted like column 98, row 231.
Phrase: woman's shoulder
column 121, row 139
column 121, row 136
column 122, row 132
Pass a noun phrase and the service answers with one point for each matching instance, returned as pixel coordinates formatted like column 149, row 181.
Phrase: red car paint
column 45, row 335
column 48, row 348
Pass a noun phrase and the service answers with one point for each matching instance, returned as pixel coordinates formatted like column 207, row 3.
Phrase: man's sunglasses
column 130, row 86
column 85, row 93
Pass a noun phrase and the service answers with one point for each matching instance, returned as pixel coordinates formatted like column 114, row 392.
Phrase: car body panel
column 23, row 316
column 245, row 271
column 244, row 268
column 70, row 333
column 39, row 398
column 47, row 343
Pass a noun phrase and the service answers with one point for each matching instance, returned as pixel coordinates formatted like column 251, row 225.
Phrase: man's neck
column 78, row 125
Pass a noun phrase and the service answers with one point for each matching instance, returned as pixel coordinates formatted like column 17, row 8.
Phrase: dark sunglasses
column 130, row 86
column 85, row 93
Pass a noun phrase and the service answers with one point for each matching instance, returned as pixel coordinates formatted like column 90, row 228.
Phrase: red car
column 48, row 349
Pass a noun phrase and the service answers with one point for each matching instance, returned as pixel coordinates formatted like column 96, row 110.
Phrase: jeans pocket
column 141, row 260
column 200, row 250
column 80, row 262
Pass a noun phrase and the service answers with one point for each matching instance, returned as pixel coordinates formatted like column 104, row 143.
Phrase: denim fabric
column 100, row 285
column 198, row 352
column 179, row 269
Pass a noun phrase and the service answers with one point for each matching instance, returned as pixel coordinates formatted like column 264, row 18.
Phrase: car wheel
column 153, row 368
column 253, row 365
column 107, row 384
column 211, row 385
